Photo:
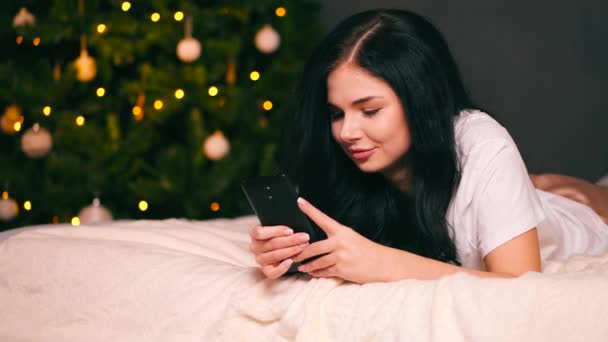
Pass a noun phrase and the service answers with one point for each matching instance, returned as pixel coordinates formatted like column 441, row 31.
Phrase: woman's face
column 368, row 120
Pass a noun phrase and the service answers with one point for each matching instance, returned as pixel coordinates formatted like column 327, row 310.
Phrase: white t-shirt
column 496, row 201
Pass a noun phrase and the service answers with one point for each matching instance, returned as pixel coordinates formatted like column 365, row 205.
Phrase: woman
column 408, row 180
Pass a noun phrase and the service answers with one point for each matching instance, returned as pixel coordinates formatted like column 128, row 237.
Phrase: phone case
column 273, row 199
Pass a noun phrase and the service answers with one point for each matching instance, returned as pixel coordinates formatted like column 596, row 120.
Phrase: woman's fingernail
column 289, row 231
column 301, row 200
column 287, row 261
column 304, row 238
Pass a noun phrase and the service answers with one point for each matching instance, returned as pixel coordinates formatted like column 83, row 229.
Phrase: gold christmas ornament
column 86, row 67
column 188, row 49
column 216, row 146
column 12, row 115
column 95, row 212
column 36, row 142
column 267, row 40
column 24, row 18
column 8, row 208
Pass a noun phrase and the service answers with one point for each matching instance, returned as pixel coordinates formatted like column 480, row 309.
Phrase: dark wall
column 540, row 67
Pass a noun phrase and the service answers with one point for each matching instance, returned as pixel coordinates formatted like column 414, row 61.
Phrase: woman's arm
column 348, row 255
column 512, row 259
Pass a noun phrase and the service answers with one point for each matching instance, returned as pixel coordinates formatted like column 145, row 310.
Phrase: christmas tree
column 153, row 109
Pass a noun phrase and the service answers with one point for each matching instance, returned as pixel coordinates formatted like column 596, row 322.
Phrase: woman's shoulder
column 474, row 128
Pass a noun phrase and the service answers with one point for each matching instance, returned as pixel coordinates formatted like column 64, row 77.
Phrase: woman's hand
column 274, row 248
column 579, row 190
column 344, row 254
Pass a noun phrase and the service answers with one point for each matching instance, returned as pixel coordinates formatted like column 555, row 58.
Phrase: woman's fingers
column 319, row 263
column 268, row 232
column 278, row 255
column 263, row 246
column 275, row 271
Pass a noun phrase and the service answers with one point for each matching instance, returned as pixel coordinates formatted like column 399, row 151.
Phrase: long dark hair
column 410, row 54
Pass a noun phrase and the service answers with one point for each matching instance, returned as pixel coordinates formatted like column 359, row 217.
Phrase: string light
column 280, row 11
column 17, row 126
column 215, row 206
column 126, row 6
column 254, row 75
column 27, row 205
column 178, row 16
column 55, row 219
column 136, row 110
column 36, row 41
column 143, row 205
column 179, row 94
column 19, row 40
column 158, row 104
column 101, row 92
column 46, row 110
column 213, row 91
column 75, row 221
column 155, row 17
column 101, row 28
column 267, row 105
column 80, row 120
column 5, row 195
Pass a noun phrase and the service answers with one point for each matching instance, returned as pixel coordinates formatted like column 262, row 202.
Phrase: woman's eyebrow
column 359, row 101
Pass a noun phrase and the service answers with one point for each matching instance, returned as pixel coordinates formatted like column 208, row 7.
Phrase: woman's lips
column 361, row 154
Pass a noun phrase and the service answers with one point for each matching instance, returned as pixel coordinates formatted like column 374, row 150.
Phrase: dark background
column 540, row 67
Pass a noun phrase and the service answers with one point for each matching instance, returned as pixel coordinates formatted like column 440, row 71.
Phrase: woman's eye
column 335, row 115
column 371, row 112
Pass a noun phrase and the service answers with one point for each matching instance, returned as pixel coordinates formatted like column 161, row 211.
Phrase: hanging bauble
column 267, row 40
column 12, row 115
column 216, row 146
column 231, row 71
column 86, row 68
column 188, row 49
column 24, row 18
column 95, row 212
column 36, row 142
column 8, row 208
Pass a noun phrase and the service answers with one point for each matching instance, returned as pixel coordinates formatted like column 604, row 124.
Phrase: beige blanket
column 178, row 280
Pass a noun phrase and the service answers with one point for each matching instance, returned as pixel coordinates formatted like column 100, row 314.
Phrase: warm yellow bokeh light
column 19, row 39
column 136, row 110
column 36, row 41
column 80, row 120
column 55, row 219
column 17, row 126
column 101, row 28
column 179, row 94
column 155, row 17
column 75, row 221
column 101, row 92
column 267, row 105
column 158, row 104
column 254, row 75
column 178, row 16
column 215, row 206
column 143, row 205
column 126, row 6
column 213, row 91
column 280, row 11
column 27, row 205
column 46, row 110
column 5, row 195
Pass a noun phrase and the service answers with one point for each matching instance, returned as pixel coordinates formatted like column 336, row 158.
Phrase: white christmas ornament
column 216, row 146
column 86, row 68
column 188, row 49
column 94, row 212
column 267, row 40
column 36, row 142
column 24, row 18
column 8, row 209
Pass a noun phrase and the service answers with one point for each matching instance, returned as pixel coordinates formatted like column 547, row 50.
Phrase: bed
column 181, row 280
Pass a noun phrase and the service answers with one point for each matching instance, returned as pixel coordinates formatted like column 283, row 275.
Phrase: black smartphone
column 274, row 201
